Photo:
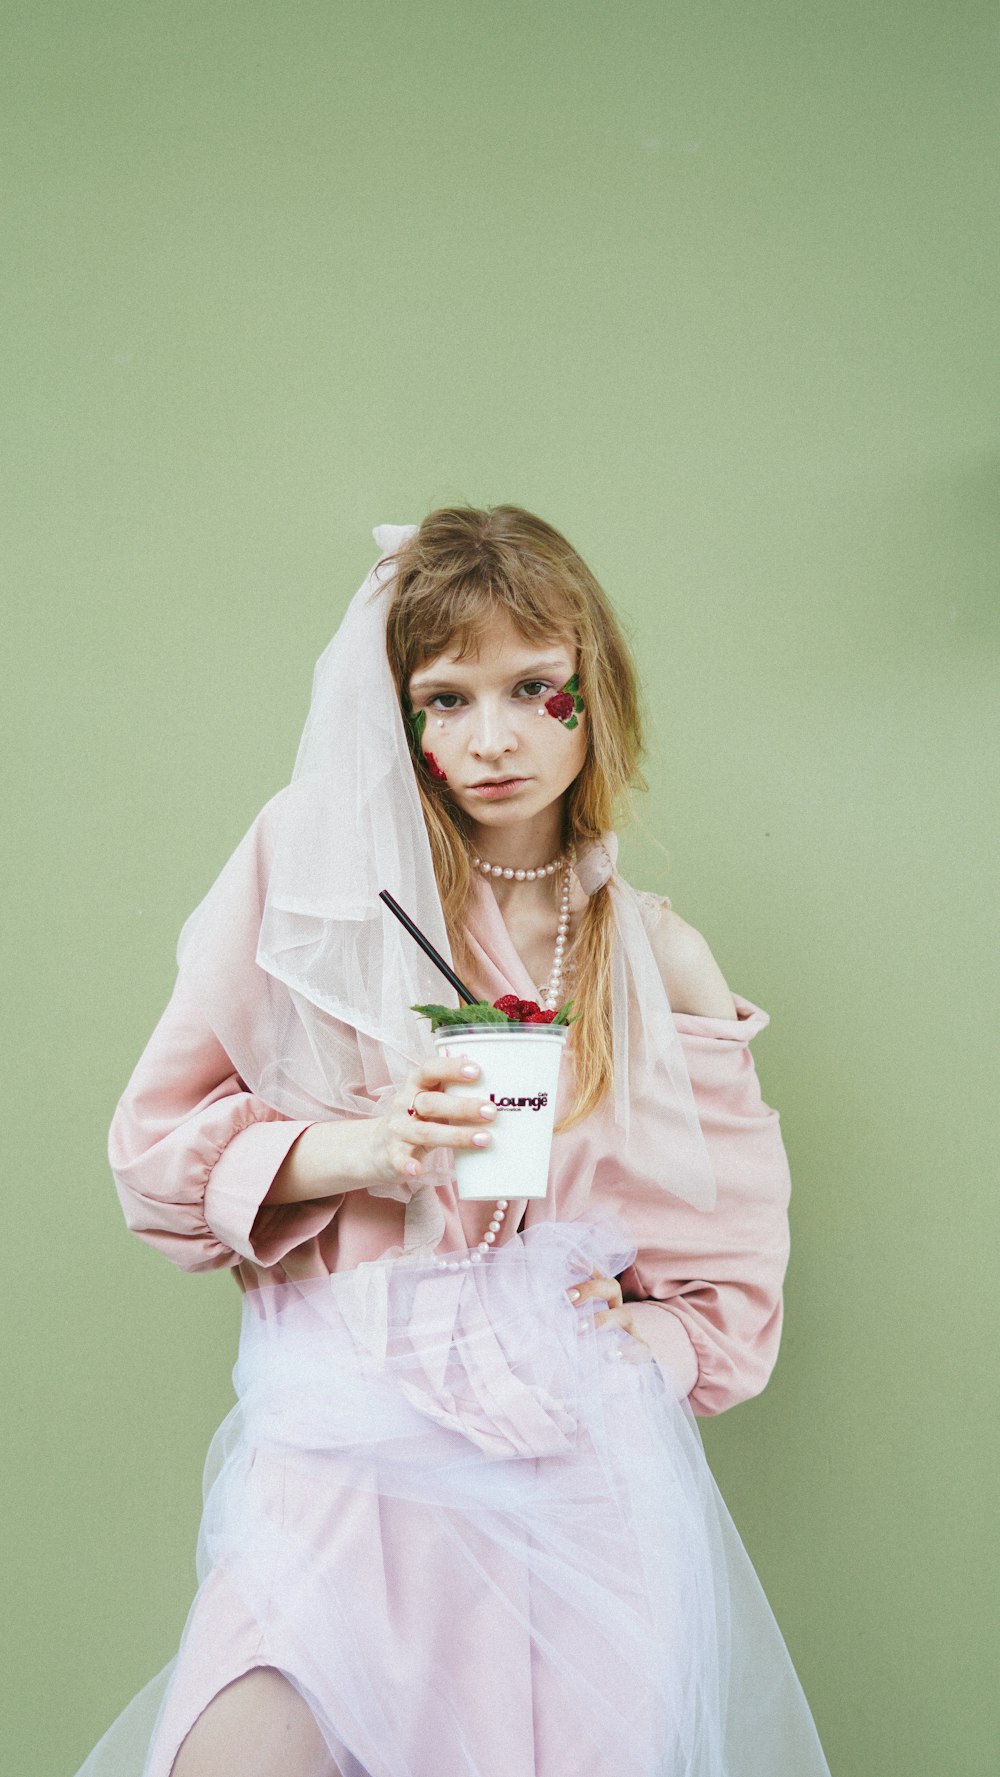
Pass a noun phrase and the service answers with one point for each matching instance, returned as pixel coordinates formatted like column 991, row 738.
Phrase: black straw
column 427, row 947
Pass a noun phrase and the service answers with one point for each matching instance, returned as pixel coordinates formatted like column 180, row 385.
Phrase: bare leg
column 258, row 1726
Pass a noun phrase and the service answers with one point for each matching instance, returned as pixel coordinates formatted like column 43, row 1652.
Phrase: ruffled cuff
column 669, row 1343
column 240, row 1179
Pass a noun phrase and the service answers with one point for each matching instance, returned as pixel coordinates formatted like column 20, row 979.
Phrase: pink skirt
column 478, row 1535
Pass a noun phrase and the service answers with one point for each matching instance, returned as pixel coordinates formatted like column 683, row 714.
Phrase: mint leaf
column 480, row 1012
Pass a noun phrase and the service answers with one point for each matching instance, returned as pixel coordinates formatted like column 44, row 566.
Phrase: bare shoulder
column 692, row 977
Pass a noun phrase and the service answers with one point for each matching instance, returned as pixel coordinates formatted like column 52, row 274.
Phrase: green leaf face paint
column 417, row 724
column 566, row 704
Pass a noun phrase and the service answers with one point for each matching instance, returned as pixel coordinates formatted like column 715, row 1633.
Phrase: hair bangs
column 457, row 618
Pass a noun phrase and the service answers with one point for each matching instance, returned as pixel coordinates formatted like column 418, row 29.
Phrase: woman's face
column 484, row 727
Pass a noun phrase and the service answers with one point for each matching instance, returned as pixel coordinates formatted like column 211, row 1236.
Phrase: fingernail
column 487, row 1110
column 412, row 1167
column 482, row 1141
column 470, row 1071
column 574, row 1295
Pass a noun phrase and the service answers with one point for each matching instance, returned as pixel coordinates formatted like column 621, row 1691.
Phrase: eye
column 434, row 703
column 535, row 687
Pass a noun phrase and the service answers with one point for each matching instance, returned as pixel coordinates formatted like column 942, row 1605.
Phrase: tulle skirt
column 480, row 1537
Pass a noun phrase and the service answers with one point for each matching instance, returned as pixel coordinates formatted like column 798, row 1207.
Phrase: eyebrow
column 421, row 683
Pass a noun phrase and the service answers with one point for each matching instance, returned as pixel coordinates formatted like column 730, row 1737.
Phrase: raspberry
column 509, row 1004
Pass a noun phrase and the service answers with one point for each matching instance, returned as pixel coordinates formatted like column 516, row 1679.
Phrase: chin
column 511, row 811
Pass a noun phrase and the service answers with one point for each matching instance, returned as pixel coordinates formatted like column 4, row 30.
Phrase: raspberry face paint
column 566, row 704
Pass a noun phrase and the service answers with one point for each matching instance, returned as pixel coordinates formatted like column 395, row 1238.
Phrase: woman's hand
column 397, row 1141
column 618, row 1313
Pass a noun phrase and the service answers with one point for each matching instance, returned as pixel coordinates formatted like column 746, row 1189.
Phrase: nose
column 493, row 733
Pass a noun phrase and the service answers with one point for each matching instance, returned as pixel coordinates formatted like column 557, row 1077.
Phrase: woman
column 460, row 1520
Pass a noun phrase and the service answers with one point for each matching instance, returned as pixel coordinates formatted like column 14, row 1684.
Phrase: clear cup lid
column 501, row 1030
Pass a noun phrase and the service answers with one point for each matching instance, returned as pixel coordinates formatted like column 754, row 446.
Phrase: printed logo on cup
column 520, row 1104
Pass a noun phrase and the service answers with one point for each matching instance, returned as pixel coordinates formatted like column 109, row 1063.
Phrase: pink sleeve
column 194, row 1153
column 707, row 1285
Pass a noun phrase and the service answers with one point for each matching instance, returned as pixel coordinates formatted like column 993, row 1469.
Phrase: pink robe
column 194, row 1152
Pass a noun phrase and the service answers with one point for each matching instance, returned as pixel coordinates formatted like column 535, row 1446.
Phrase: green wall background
column 714, row 289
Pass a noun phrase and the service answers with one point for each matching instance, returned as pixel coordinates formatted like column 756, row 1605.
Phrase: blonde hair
column 462, row 568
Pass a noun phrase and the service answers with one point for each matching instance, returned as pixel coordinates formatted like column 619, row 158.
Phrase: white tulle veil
column 308, row 981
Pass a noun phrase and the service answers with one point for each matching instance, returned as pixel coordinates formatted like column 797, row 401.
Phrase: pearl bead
column 502, row 1203
column 464, row 1264
column 496, row 869
column 483, row 1247
column 494, row 1226
column 519, row 875
column 476, row 1258
column 509, row 875
column 530, row 875
column 488, row 1238
column 452, row 1264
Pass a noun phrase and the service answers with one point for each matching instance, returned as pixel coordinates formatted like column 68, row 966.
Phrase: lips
column 497, row 789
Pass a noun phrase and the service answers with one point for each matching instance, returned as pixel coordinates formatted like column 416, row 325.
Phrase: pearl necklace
column 548, row 1000
column 476, row 1258
column 548, row 996
column 510, row 875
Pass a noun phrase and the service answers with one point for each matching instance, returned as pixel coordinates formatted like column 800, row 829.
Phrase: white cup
column 519, row 1071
